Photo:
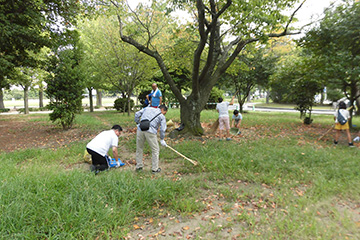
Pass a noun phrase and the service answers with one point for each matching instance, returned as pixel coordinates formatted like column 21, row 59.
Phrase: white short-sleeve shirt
column 223, row 108
column 103, row 142
column 343, row 112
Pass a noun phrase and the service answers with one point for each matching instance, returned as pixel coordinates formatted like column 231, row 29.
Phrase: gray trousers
column 154, row 145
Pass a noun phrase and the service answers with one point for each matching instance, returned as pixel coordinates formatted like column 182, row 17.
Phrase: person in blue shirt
column 236, row 120
column 147, row 100
column 156, row 96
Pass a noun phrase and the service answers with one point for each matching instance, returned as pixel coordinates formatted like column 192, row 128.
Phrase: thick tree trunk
column 2, row 105
column 267, row 97
column 26, row 101
column 190, row 116
column 41, row 97
column 98, row 98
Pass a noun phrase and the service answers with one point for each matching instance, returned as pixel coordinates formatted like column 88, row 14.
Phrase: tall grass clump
column 42, row 199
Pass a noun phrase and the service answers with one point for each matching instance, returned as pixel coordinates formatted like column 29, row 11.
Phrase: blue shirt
column 237, row 118
column 149, row 113
column 155, row 97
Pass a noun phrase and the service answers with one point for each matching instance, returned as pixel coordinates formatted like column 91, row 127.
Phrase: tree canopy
column 221, row 30
column 335, row 43
column 27, row 26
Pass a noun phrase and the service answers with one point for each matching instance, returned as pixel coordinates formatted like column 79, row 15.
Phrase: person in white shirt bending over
column 98, row 148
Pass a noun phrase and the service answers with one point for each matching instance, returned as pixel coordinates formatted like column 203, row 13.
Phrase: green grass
column 298, row 190
column 35, row 102
column 292, row 106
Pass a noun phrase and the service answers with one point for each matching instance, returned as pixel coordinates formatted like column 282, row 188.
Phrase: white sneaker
column 357, row 139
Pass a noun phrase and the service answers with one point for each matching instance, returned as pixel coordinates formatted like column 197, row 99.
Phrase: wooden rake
column 192, row 161
column 332, row 127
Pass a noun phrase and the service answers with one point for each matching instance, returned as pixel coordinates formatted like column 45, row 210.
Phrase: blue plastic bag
column 112, row 162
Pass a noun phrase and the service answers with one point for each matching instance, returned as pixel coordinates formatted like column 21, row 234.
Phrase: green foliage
column 46, row 108
column 108, row 62
column 297, row 81
column 214, row 96
column 254, row 68
column 335, row 45
column 142, row 97
column 334, row 94
column 30, row 25
column 65, row 87
column 4, row 109
column 303, row 93
column 121, row 104
column 201, row 47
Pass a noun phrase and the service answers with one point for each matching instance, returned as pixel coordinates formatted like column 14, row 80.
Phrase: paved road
column 252, row 107
column 247, row 107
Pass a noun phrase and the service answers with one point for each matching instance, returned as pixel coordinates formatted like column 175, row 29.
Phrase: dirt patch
column 17, row 134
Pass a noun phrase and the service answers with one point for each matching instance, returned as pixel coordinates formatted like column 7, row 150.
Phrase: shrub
column 121, row 103
column 2, row 110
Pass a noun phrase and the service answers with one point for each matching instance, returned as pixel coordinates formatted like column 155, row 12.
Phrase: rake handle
column 192, row 161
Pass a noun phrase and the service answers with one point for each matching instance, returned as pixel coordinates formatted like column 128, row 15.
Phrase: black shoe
column 92, row 168
column 138, row 169
column 335, row 142
column 156, row 171
column 351, row 144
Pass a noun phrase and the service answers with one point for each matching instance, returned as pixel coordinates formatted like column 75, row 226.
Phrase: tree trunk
column 358, row 104
column 41, row 97
column 2, row 105
column 190, row 117
column 267, row 97
column 91, row 100
column 322, row 97
column 129, row 105
column 26, row 101
column 241, row 104
column 249, row 98
column 98, row 98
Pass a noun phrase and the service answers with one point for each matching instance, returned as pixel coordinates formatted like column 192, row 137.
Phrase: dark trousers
column 98, row 161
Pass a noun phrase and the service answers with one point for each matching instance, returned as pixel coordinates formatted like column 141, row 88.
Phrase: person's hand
column 163, row 143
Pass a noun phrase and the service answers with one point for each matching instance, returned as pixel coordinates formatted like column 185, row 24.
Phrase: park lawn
column 292, row 106
column 276, row 181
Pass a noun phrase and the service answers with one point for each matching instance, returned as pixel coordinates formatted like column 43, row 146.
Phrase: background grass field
column 275, row 182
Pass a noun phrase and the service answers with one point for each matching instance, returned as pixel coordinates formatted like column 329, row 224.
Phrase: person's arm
column 138, row 114
column 160, row 100
column 232, row 100
column 115, row 153
column 162, row 127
